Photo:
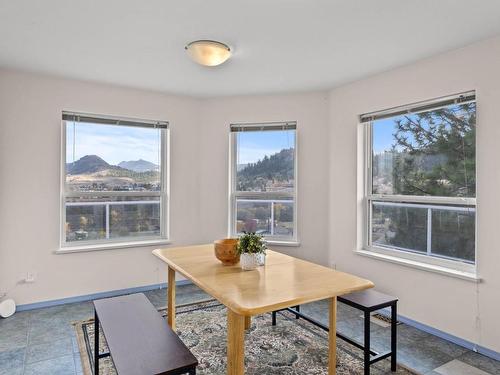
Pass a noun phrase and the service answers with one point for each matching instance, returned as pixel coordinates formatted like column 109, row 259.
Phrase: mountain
column 87, row 165
column 275, row 170
column 279, row 166
column 92, row 172
column 138, row 165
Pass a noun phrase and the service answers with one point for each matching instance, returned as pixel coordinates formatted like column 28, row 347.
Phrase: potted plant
column 252, row 248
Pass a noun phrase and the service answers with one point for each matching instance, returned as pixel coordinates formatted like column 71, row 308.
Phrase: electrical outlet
column 30, row 277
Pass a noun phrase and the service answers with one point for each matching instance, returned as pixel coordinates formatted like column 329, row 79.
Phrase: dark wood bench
column 367, row 301
column 140, row 341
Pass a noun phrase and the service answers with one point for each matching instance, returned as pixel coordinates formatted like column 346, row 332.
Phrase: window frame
column 234, row 194
column 369, row 198
column 163, row 194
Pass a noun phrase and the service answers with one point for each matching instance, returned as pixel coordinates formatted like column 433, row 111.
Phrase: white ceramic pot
column 262, row 259
column 249, row 261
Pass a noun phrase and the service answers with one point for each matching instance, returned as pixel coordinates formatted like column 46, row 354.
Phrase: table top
column 284, row 281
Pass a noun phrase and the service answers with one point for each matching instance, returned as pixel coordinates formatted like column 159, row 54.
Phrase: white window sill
column 111, row 246
column 283, row 243
column 469, row 276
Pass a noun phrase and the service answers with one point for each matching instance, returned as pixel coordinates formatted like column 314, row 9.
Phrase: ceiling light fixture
column 208, row 52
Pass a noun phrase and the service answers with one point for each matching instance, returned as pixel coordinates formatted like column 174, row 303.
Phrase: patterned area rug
column 292, row 347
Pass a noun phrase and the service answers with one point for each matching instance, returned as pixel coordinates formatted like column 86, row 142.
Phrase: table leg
column 235, row 343
column 332, row 338
column 171, row 298
column 248, row 322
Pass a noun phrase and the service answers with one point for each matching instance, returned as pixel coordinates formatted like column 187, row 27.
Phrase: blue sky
column 112, row 143
column 383, row 129
column 122, row 143
column 254, row 145
column 382, row 135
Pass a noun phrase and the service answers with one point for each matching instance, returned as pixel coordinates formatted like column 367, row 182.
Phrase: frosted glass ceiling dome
column 208, row 52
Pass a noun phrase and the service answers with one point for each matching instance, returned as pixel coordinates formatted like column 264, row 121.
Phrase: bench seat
column 139, row 339
column 369, row 299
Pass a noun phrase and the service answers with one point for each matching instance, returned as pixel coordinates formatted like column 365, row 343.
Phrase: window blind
column 112, row 120
column 291, row 125
column 462, row 98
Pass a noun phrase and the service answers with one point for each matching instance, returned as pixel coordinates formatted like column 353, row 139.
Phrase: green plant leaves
column 251, row 243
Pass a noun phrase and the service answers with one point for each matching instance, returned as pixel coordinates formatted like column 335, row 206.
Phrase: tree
column 264, row 173
column 261, row 213
column 433, row 154
column 84, row 221
column 285, row 213
column 243, row 214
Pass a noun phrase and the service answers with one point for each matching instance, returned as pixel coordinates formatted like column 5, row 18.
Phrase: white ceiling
column 279, row 45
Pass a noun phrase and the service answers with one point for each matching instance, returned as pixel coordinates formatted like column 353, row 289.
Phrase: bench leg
column 367, row 344
column 171, row 298
column 192, row 371
column 273, row 314
column 394, row 340
column 96, row 344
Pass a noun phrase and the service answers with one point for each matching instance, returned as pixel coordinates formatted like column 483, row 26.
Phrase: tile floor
column 43, row 341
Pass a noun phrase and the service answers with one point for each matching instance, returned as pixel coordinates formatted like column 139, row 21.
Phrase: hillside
column 92, row 172
column 277, row 169
column 87, row 165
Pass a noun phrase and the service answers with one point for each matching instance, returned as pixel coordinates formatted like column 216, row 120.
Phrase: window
column 421, row 181
column 114, row 187
column 263, row 180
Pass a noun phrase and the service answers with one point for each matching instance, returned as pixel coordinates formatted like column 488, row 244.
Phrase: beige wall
column 455, row 306
column 310, row 112
column 30, row 133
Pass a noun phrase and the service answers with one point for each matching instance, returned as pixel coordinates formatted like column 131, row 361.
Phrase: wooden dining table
column 284, row 281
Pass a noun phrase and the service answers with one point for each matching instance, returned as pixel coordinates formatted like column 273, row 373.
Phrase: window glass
column 453, row 233
column 113, row 183
column 265, row 161
column 423, row 163
column 399, row 226
column 264, row 181
column 283, row 219
column 429, row 153
column 253, row 216
column 112, row 158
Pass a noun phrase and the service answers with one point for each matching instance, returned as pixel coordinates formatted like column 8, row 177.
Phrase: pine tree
column 435, row 152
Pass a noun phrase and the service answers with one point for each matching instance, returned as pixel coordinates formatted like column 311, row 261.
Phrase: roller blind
column 290, row 125
column 465, row 97
column 111, row 120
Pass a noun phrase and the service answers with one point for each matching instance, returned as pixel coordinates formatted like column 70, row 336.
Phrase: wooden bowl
column 225, row 251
